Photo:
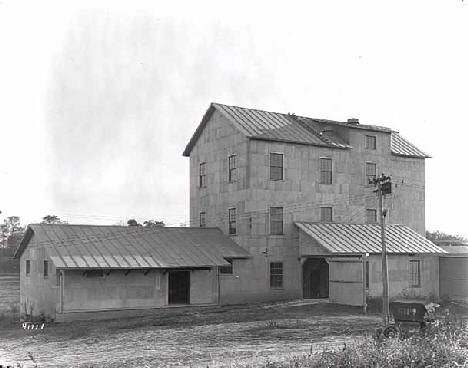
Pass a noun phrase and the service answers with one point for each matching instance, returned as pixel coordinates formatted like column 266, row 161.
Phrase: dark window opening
column 232, row 221
column 226, row 269
column 371, row 216
column 202, row 219
column 276, row 166
column 326, row 214
column 232, row 168
column 276, row 274
column 371, row 142
column 28, row 267
column 202, row 175
column 326, row 171
column 415, row 273
column 46, row 268
column 276, row 220
column 371, row 172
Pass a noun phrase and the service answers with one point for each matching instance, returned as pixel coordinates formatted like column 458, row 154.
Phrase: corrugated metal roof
column 457, row 250
column 365, row 238
column 401, row 147
column 273, row 126
column 90, row 246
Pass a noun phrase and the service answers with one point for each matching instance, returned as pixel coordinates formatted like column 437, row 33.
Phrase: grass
column 443, row 344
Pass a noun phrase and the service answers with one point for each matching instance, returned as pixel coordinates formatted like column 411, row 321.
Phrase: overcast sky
column 98, row 99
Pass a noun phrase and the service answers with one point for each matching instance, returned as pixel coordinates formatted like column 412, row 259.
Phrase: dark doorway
column 179, row 287
column 315, row 278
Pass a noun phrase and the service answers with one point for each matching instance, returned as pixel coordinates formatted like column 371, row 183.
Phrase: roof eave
column 411, row 156
column 24, row 242
column 198, row 131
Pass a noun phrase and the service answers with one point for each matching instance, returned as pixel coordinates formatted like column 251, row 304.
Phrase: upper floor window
column 415, row 273
column 202, row 174
column 326, row 214
column 232, row 168
column 276, row 166
column 371, row 142
column 371, row 216
column 325, row 170
column 28, row 267
column 232, row 221
column 276, row 220
column 202, row 219
column 46, row 268
column 276, row 274
column 371, row 172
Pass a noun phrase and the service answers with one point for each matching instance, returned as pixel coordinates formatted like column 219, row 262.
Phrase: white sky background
column 98, row 99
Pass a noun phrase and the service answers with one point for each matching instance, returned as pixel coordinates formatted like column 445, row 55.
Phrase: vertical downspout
column 62, row 285
column 364, row 282
column 219, row 286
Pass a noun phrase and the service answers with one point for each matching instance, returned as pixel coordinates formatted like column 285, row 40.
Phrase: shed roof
column 365, row 238
column 91, row 246
column 273, row 126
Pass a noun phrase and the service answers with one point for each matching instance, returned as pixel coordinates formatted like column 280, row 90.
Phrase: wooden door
column 179, row 287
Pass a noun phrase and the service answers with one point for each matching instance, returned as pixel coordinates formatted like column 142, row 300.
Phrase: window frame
column 276, row 275
column 326, row 176
column 417, row 273
column 272, row 178
column 321, row 214
column 28, row 267
column 227, row 270
column 368, row 210
column 374, row 176
column 202, row 216
column 232, row 230
column 276, row 221
column 46, row 268
column 373, row 139
column 232, row 170
column 202, row 175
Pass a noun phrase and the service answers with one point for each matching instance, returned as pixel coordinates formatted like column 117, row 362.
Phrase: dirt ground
column 236, row 336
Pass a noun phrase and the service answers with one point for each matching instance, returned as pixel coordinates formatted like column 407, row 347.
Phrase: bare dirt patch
column 198, row 337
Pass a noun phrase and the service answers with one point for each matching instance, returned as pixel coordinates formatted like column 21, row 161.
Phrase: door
column 315, row 278
column 179, row 287
column 346, row 281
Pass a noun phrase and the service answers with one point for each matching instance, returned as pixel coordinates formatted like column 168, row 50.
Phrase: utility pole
column 384, row 186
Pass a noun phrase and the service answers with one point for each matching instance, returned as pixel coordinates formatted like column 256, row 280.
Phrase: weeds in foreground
column 444, row 344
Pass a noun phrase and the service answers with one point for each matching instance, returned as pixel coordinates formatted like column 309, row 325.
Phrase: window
column 226, row 269
column 276, row 166
column 371, row 171
column 415, row 273
column 276, row 220
column 371, row 142
column 232, row 168
column 325, row 170
column 28, row 267
column 326, row 214
column 203, row 175
column 232, row 221
column 367, row 274
column 46, row 269
column 371, row 216
column 276, row 274
column 202, row 219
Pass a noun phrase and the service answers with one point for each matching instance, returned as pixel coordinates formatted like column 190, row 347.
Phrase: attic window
column 28, row 267
column 371, row 142
column 325, row 170
column 202, row 174
column 232, row 168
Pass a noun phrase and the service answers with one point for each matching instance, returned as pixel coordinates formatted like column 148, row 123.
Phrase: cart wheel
column 390, row 331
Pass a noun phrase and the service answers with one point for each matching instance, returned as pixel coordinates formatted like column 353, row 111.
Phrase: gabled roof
column 273, row 126
column 365, row 238
column 91, row 246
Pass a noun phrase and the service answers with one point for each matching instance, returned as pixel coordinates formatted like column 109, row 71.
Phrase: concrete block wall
column 300, row 194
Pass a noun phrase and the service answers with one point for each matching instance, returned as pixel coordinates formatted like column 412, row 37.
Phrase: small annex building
column 453, row 271
column 85, row 271
column 343, row 262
